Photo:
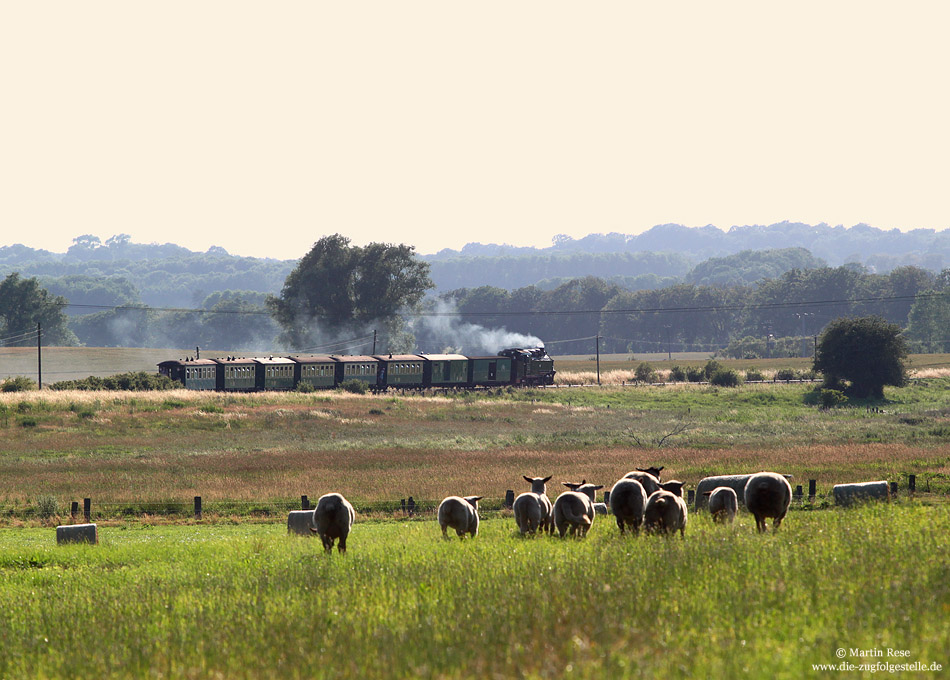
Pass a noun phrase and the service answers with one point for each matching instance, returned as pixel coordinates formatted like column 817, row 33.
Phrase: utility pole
column 669, row 349
column 802, row 315
column 598, row 359
column 374, row 341
column 39, row 354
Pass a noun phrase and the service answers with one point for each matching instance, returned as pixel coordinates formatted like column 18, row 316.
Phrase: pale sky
column 261, row 127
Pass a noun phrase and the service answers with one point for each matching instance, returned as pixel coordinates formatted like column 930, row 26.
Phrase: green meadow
column 249, row 601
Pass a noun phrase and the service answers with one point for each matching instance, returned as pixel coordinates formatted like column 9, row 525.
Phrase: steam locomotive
column 516, row 367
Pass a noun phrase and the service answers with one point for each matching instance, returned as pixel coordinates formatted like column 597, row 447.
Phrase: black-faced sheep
column 332, row 519
column 534, row 510
column 674, row 487
column 649, row 478
column 574, row 509
column 723, row 504
column 768, row 494
column 461, row 514
column 665, row 512
column 627, row 502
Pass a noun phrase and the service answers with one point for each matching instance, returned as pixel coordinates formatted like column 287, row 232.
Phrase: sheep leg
column 327, row 544
column 342, row 546
column 445, row 535
column 620, row 524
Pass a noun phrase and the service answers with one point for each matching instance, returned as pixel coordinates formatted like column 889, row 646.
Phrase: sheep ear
column 527, row 479
column 599, row 486
column 547, row 479
column 571, row 486
column 660, row 469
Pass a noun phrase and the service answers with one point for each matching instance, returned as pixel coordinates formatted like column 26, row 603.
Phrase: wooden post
column 812, row 491
column 912, row 483
column 606, row 498
column 509, row 498
column 690, row 497
column 197, row 507
column 402, row 504
column 411, row 506
column 893, row 488
column 799, row 493
column 87, row 509
column 304, row 503
column 74, row 509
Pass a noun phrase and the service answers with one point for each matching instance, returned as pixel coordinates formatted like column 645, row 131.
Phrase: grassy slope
column 249, row 601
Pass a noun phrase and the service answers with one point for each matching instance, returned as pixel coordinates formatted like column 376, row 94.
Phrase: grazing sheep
column 723, row 504
column 600, row 508
column 627, row 501
column 574, row 509
column 333, row 519
column 461, row 514
column 648, row 480
column 674, row 487
column 768, row 494
column 847, row 494
column 708, row 484
column 534, row 510
column 665, row 512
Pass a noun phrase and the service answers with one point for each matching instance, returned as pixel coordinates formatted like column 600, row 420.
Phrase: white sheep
column 574, row 509
column 708, row 484
column 723, row 504
column 665, row 512
column 649, row 478
column 534, row 510
column 627, row 502
column 332, row 519
column 767, row 494
column 847, row 494
column 461, row 514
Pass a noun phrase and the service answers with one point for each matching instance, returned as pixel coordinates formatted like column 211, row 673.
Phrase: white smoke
column 448, row 332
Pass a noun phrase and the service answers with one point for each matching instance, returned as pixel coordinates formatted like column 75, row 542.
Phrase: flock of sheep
column 637, row 500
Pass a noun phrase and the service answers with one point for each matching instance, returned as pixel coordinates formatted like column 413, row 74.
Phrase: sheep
column 332, row 519
column 674, row 487
column 574, row 509
column 461, row 514
column 723, row 504
column 534, row 510
column 649, row 478
column 767, row 494
column 708, row 484
column 846, row 494
column 627, row 501
column 665, row 512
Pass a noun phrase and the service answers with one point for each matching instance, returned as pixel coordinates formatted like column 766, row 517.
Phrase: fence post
column 87, row 509
column 690, row 497
column 606, row 498
column 509, row 498
column 912, row 483
column 197, row 507
column 812, row 484
column 304, row 503
column 893, row 488
column 798, row 493
column 74, row 509
column 411, row 506
column 402, row 504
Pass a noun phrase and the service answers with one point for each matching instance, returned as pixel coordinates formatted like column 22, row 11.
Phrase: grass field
column 232, row 596
column 248, row 601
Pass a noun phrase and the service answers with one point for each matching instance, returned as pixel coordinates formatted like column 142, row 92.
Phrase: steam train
column 516, row 367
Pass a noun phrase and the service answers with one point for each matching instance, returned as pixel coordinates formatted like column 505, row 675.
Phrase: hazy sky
column 261, row 127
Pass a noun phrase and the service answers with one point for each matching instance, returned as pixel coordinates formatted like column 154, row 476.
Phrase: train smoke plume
column 447, row 332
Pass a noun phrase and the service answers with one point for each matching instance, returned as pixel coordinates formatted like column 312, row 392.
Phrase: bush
column 354, row 386
column 785, row 374
column 868, row 352
column 645, row 373
column 725, row 377
column 754, row 374
column 47, row 506
column 18, row 384
column 677, row 374
column 305, row 387
column 139, row 381
column 711, row 368
column 694, row 374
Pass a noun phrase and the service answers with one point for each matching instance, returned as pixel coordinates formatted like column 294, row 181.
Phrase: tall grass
column 251, row 602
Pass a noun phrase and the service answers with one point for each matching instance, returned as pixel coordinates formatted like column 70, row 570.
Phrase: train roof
column 354, row 358
column 397, row 357
column 315, row 359
column 189, row 362
column 444, row 357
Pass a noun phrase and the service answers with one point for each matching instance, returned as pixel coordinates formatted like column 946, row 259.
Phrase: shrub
column 694, row 374
column 47, row 506
column 825, row 398
column 677, row 374
column 711, row 367
column 725, row 377
column 354, row 386
column 645, row 373
column 139, row 381
column 305, row 387
column 785, row 374
column 754, row 374
column 18, row 384
column 869, row 352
